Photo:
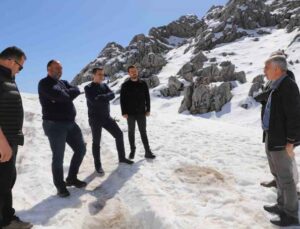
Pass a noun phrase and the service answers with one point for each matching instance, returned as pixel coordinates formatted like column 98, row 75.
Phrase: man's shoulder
column 288, row 85
column 88, row 86
column 288, row 81
column 44, row 80
column 126, row 83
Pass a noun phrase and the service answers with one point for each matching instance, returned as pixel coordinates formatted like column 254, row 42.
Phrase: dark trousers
column 60, row 133
column 141, row 121
column 8, row 175
column 112, row 127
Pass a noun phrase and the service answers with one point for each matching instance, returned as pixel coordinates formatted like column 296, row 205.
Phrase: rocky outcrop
column 200, row 98
column 257, row 85
column 225, row 72
column 174, row 87
column 177, row 31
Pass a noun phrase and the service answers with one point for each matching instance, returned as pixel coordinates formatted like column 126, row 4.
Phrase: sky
column 75, row 31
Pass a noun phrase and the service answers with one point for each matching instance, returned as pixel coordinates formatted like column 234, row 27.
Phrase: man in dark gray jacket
column 11, row 122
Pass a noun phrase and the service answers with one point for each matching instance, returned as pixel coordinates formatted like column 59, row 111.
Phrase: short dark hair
column 130, row 67
column 12, row 52
column 51, row 62
column 95, row 69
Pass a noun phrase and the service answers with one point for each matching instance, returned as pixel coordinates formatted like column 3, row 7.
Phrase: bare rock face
column 185, row 27
column 200, row 98
column 174, row 88
column 287, row 14
column 257, row 84
column 152, row 81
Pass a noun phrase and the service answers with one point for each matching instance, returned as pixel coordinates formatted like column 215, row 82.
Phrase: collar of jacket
column 49, row 77
column 6, row 72
column 275, row 84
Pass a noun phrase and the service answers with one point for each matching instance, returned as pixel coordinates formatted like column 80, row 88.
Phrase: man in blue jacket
column 98, row 95
column 56, row 97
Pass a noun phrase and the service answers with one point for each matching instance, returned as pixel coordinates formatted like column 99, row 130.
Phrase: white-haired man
column 281, row 125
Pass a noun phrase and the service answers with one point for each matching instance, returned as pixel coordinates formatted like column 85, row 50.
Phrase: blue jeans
column 59, row 133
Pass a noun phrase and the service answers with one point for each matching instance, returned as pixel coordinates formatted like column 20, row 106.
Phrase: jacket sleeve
column 123, row 100
column 53, row 93
column 73, row 91
column 147, row 96
column 263, row 96
column 107, row 96
column 291, row 108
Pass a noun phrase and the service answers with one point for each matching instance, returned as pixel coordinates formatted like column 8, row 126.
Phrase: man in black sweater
column 11, row 136
column 98, row 95
column 281, row 125
column 135, row 106
column 56, row 97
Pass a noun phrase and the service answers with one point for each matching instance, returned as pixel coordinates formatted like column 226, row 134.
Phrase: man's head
column 133, row 72
column 13, row 58
column 275, row 67
column 54, row 69
column 98, row 75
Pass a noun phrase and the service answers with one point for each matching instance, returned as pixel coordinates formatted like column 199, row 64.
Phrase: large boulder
column 152, row 81
column 174, row 88
column 200, row 98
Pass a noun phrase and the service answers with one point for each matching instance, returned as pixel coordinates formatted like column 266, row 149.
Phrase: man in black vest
column 135, row 106
column 98, row 95
column 56, row 97
column 11, row 122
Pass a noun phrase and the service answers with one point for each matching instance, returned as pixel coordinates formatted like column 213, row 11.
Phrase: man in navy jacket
column 98, row 96
column 56, row 97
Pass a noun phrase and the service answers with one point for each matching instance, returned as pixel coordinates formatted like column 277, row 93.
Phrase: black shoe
column 125, row 160
column 131, row 155
column 75, row 182
column 100, row 171
column 17, row 223
column 63, row 192
column 149, row 155
column 269, row 184
column 274, row 209
column 285, row 221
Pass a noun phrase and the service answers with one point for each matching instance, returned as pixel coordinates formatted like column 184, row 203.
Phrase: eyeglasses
column 20, row 66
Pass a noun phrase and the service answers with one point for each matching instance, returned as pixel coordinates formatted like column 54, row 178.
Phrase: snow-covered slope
column 206, row 175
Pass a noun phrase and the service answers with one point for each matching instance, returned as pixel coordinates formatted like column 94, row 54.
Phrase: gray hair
column 279, row 61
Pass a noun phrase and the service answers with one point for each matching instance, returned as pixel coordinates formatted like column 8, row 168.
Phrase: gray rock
column 188, row 77
column 174, row 88
column 187, row 68
column 212, row 72
column 187, row 101
column 200, row 99
column 255, row 88
column 220, row 96
column 240, row 76
column 259, row 79
column 198, row 60
column 152, row 81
